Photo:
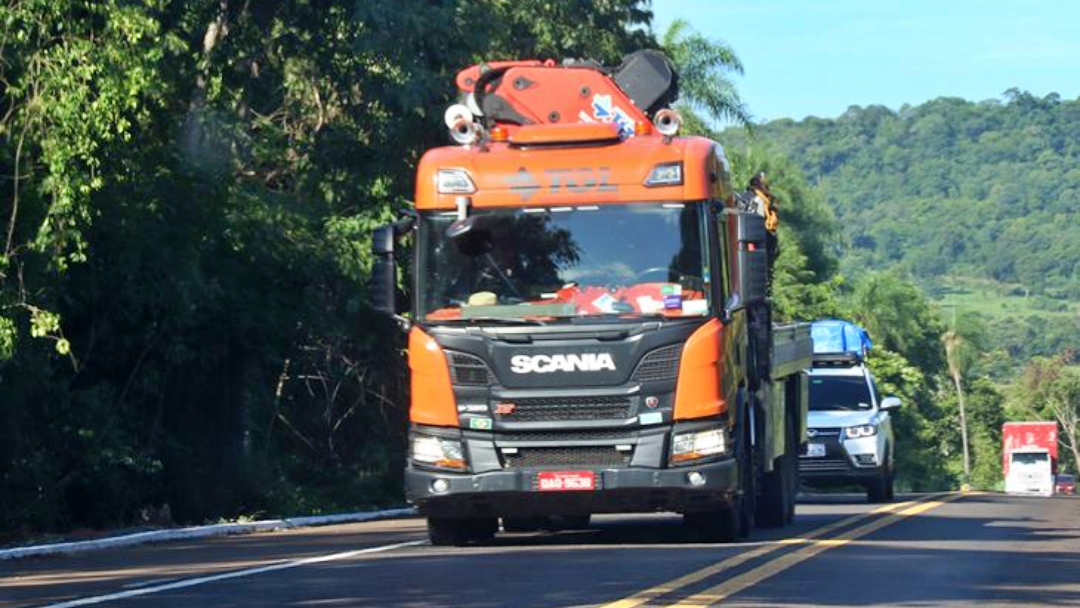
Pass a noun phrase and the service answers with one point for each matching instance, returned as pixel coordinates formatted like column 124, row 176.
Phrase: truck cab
column 850, row 438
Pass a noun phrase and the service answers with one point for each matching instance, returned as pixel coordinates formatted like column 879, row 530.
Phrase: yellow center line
column 752, row 577
column 651, row 593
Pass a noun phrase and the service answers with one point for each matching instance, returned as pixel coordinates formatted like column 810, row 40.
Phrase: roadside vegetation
column 187, row 191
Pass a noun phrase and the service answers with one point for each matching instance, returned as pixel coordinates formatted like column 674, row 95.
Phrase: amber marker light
column 642, row 128
column 499, row 134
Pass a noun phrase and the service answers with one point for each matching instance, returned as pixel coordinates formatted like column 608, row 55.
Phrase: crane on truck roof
column 589, row 328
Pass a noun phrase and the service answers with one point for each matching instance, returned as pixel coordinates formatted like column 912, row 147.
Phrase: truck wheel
column 523, row 524
column 460, row 531
column 733, row 522
column 721, row 525
column 570, row 522
column 777, row 506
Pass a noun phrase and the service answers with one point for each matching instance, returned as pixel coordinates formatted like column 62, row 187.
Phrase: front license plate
column 564, row 481
column 815, row 450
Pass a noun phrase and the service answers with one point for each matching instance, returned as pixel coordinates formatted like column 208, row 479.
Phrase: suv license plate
column 564, row 481
column 815, row 450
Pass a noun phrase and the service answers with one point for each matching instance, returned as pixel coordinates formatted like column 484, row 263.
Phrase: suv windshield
column 844, row 393
column 617, row 261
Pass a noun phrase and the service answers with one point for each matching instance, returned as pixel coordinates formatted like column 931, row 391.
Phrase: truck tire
column 460, row 531
column 776, row 507
column 523, row 524
column 569, row 522
column 720, row 525
column 732, row 523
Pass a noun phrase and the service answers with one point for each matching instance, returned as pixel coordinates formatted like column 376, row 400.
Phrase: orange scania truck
column 589, row 328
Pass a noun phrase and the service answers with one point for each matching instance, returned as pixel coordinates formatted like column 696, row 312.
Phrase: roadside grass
column 995, row 300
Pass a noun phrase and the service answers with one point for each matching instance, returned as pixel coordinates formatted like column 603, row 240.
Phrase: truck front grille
column 546, row 409
column 604, row 435
column 586, row 456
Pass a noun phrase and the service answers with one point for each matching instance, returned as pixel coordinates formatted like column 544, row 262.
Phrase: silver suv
column 849, row 432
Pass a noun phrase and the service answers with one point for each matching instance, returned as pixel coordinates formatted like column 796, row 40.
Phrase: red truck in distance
column 1029, row 457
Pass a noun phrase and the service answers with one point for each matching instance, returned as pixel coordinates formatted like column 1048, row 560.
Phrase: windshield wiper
column 495, row 321
column 625, row 317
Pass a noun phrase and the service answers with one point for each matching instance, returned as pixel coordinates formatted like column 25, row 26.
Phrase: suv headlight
column 863, row 430
column 437, row 452
column 688, row 447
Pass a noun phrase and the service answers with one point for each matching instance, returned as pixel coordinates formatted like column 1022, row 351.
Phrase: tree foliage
column 188, row 194
column 1049, row 389
column 704, row 85
column 952, row 188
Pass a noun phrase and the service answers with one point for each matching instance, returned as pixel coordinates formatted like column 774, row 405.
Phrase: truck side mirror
column 753, row 259
column 890, row 403
column 384, row 270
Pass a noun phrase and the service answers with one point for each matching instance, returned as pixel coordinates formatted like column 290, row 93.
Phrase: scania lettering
column 589, row 337
column 543, row 364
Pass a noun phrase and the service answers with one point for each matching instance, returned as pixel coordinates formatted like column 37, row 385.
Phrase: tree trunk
column 963, row 428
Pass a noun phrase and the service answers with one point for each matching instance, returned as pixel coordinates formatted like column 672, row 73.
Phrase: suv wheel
column 881, row 489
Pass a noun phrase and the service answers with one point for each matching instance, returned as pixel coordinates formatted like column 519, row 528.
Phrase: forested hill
column 951, row 187
column 976, row 201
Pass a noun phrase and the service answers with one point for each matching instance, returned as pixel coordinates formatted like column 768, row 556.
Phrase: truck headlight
column 438, row 452
column 687, row 447
column 863, row 430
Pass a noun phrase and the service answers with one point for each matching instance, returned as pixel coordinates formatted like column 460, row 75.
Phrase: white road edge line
column 202, row 580
column 157, row 536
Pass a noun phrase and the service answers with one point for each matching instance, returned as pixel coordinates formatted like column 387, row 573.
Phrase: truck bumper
column 629, row 490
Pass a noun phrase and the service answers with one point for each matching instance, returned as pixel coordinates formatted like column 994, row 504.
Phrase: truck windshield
column 845, row 393
column 558, row 263
column 1026, row 458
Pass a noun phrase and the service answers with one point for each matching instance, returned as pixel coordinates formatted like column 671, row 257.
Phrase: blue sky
column 817, row 57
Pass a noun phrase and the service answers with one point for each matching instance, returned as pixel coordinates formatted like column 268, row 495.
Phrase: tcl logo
column 545, row 364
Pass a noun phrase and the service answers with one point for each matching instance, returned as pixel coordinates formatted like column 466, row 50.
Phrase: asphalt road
column 923, row 550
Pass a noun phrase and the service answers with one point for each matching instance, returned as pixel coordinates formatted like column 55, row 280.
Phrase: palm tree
column 964, row 341
column 704, row 66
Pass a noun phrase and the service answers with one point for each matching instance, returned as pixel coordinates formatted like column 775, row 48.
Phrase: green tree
column 921, row 453
column 193, row 190
column 1049, row 389
column 964, row 343
column 704, row 66
column 900, row 318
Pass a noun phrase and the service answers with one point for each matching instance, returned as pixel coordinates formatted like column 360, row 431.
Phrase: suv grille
column 542, row 409
column 659, row 365
column 590, row 456
column 468, row 370
column 824, row 465
column 823, row 432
